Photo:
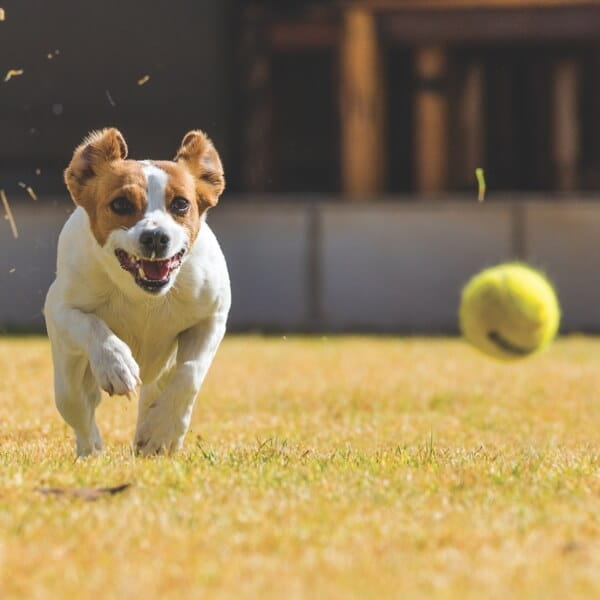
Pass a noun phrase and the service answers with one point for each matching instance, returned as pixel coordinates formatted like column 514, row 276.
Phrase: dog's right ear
column 97, row 150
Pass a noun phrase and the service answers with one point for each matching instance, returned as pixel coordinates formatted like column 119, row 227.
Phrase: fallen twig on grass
column 87, row 494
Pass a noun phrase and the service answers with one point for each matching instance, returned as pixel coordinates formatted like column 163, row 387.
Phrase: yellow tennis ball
column 509, row 311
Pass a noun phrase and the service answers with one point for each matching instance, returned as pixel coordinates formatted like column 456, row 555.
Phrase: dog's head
column 145, row 215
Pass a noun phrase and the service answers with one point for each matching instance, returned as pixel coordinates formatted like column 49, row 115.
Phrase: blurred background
column 350, row 132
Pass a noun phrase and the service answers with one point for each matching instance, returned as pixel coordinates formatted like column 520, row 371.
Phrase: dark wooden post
column 256, row 90
column 471, row 122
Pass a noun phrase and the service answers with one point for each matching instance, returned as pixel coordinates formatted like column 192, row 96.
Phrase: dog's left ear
column 202, row 160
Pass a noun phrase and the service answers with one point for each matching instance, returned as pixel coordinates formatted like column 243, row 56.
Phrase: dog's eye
column 122, row 206
column 179, row 205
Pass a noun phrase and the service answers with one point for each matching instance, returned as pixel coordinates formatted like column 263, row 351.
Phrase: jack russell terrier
column 142, row 293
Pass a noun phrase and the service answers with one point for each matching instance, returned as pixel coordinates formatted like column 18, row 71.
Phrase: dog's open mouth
column 150, row 275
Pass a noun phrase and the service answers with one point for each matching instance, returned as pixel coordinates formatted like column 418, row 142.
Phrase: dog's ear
column 202, row 160
column 97, row 150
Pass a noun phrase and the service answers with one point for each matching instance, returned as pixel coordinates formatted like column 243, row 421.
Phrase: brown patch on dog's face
column 98, row 175
column 123, row 185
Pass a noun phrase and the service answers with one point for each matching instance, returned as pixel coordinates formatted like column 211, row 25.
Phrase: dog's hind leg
column 166, row 410
column 149, row 394
column 77, row 395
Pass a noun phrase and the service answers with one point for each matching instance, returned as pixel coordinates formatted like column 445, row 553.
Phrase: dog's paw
column 154, row 446
column 159, row 436
column 114, row 367
column 89, row 444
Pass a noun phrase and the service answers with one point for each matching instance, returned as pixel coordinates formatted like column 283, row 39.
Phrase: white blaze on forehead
column 156, row 214
column 156, row 180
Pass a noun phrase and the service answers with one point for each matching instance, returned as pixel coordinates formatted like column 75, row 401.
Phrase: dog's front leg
column 87, row 356
column 165, row 407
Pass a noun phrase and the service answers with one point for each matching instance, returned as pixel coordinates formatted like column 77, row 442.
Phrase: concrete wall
column 326, row 266
column 402, row 267
column 27, row 264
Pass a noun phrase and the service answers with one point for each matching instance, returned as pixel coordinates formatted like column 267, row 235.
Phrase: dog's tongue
column 156, row 270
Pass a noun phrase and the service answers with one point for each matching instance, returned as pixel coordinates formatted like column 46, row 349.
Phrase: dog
column 142, row 293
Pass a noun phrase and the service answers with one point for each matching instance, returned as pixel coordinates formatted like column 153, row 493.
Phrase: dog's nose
column 154, row 241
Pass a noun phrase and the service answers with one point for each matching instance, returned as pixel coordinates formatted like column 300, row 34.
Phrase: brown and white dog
column 142, row 294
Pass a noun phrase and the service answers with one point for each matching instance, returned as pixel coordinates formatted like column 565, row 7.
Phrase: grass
column 317, row 468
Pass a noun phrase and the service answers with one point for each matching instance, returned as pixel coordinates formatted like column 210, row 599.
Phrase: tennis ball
column 509, row 311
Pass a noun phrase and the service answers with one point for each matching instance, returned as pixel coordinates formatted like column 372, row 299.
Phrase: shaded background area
column 349, row 130
column 104, row 48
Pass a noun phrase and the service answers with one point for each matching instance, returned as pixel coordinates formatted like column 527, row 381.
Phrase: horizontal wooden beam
column 486, row 25
column 292, row 35
column 440, row 21
column 394, row 5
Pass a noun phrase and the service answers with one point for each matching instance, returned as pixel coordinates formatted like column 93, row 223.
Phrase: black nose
column 154, row 241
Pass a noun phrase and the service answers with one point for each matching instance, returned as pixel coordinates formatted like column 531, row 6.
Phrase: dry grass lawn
column 317, row 468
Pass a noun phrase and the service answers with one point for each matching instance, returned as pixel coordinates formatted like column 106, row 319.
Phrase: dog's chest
column 150, row 330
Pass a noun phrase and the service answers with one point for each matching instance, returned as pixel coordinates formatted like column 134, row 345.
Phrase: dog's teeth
column 141, row 272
